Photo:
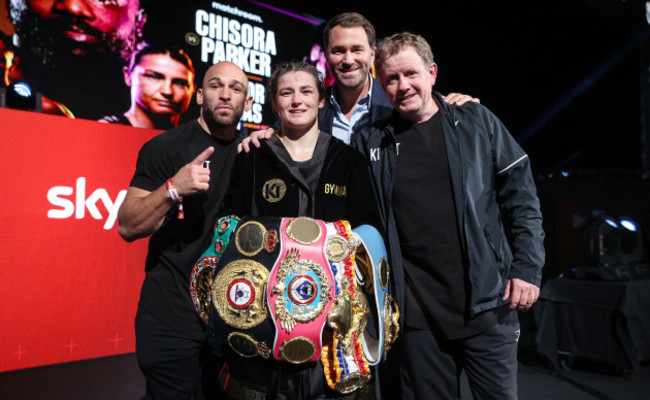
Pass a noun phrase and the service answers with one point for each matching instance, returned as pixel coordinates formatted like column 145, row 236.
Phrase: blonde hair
column 393, row 44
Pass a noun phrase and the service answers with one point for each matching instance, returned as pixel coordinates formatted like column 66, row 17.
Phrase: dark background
column 564, row 76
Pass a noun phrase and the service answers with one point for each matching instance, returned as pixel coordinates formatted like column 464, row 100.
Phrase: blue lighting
column 611, row 222
column 629, row 225
column 23, row 89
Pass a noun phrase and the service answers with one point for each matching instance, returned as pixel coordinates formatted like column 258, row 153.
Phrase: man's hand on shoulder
column 521, row 293
column 460, row 99
column 254, row 139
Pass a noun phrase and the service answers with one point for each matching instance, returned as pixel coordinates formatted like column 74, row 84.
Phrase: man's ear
column 248, row 103
column 127, row 76
column 433, row 72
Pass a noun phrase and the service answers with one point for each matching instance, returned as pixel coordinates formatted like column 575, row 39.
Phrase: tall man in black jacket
column 459, row 204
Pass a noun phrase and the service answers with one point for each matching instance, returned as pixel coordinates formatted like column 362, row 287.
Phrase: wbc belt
column 301, row 289
column 202, row 275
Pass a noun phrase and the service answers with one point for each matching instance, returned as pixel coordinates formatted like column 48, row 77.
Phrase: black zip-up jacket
column 267, row 182
column 496, row 201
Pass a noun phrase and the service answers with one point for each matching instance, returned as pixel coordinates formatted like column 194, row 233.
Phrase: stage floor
column 119, row 378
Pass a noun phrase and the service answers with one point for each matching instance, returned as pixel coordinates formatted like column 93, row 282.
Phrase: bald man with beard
column 179, row 183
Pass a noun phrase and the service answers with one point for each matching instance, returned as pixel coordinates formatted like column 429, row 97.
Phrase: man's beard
column 218, row 122
column 43, row 38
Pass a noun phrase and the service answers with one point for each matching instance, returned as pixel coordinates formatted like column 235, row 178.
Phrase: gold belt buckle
column 238, row 293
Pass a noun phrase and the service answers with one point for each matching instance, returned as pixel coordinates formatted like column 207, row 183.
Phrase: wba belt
column 238, row 314
column 297, row 290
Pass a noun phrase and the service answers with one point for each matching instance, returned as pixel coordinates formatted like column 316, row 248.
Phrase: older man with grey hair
column 464, row 229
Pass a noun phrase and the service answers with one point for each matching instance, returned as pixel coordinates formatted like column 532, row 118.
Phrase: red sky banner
column 69, row 285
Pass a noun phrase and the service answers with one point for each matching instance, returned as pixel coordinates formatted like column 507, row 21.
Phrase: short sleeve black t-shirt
column 177, row 244
column 425, row 214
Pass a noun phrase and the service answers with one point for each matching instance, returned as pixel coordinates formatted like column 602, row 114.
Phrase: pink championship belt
column 300, row 291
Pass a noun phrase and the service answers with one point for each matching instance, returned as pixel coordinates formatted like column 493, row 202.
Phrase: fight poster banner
column 82, row 86
column 140, row 62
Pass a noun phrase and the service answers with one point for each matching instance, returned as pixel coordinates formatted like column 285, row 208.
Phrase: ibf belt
column 301, row 290
column 372, row 262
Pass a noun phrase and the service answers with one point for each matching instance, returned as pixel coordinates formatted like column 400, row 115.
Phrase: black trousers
column 175, row 367
column 431, row 366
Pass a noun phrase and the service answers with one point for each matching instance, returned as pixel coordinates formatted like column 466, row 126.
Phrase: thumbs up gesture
column 193, row 178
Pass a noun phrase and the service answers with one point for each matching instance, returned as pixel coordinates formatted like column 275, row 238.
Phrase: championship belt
column 202, row 274
column 298, row 290
column 203, row 271
column 344, row 363
column 301, row 290
column 239, row 306
column 372, row 260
